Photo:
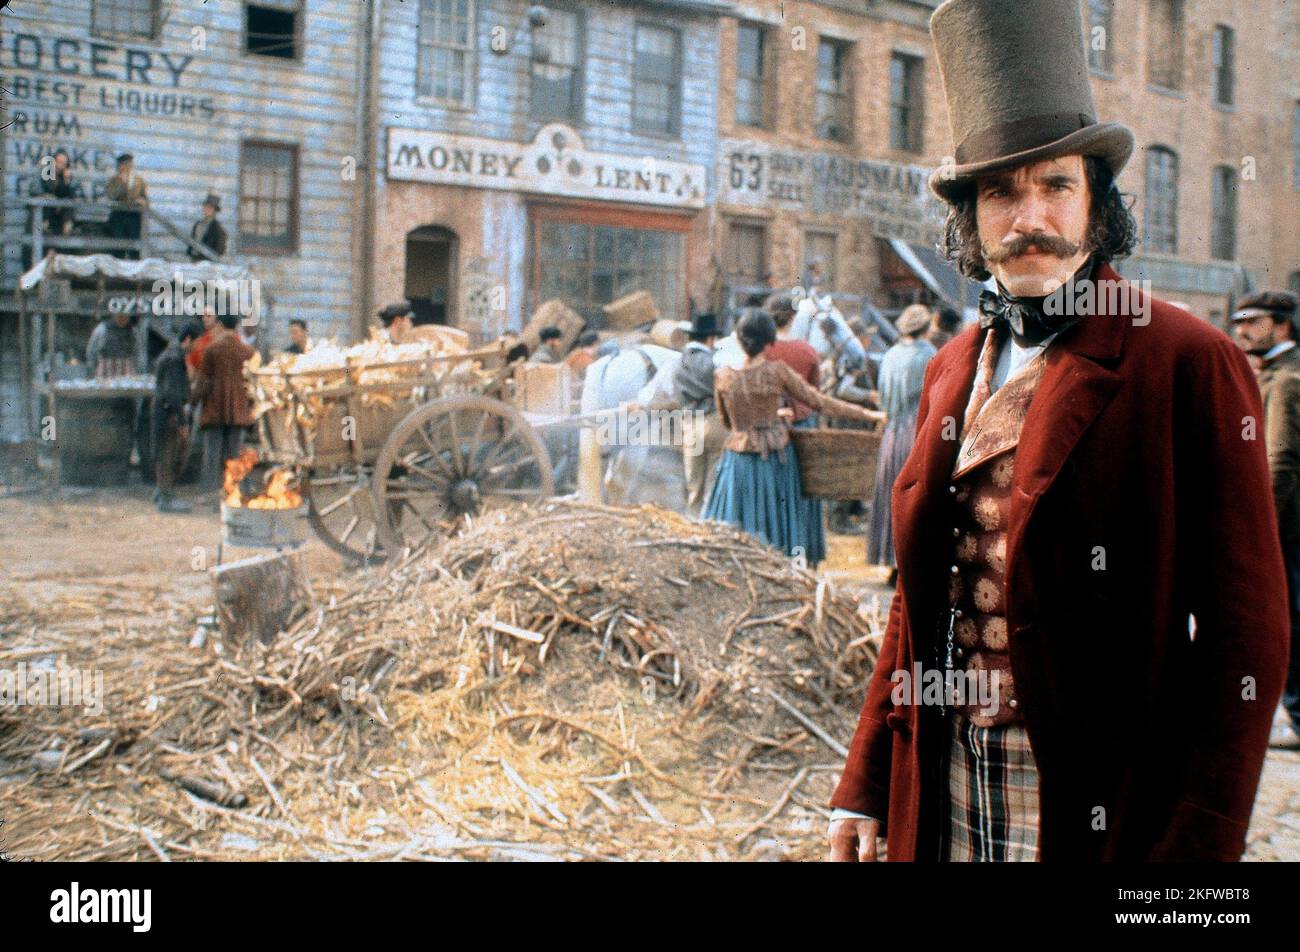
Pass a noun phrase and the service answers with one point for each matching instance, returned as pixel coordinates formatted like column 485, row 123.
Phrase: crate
column 837, row 464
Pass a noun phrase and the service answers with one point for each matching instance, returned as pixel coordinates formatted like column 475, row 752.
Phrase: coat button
column 957, row 612
column 1013, row 703
column 956, row 532
column 961, row 652
column 952, row 489
column 955, row 570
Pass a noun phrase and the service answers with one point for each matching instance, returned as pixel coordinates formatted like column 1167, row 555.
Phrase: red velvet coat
column 1137, row 450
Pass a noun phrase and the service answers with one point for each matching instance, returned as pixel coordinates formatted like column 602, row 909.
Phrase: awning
column 150, row 269
column 938, row 275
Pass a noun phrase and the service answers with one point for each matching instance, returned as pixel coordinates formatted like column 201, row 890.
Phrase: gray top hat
column 1015, row 76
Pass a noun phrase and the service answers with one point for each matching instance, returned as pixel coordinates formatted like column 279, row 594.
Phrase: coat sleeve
column 864, row 784
column 1234, row 666
column 798, row 389
column 1282, row 442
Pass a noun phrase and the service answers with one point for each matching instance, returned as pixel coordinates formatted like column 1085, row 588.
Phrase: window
column 557, row 83
column 1223, row 76
column 746, row 252
column 750, row 52
column 587, row 265
column 833, row 116
column 1223, row 230
column 820, row 244
column 656, row 91
column 1293, row 282
column 124, row 17
column 1165, row 44
column 446, row 51
column 268, row 197
column 271, row 28
column 1100, row 16
column 906, row 102
column 1161, row 202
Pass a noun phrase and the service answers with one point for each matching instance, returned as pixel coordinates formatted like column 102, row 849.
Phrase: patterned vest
column 981, row 496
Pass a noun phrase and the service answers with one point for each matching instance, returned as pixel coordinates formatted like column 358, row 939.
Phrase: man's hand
column 853, row 840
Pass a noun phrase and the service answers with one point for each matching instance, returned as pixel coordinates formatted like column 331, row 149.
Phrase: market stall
column 95, row 418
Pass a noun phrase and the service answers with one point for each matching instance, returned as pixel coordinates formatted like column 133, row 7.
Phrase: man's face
column 209, row 320
column 1257, row 332
column 298, row 335
column 400, row 327
column 61, row 163
column 122, row 320
column 125, row 169
column 553, row 345
column 1032, row 224
column 209, row 212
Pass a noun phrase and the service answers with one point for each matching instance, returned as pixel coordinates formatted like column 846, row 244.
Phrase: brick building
column 827, row 109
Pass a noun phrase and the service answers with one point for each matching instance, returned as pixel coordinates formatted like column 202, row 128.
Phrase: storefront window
column 590, row 265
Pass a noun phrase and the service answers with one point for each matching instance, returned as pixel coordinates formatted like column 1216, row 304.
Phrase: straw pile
column 560, row 682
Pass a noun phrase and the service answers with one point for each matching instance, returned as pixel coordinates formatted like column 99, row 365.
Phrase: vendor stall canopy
column 184, row 281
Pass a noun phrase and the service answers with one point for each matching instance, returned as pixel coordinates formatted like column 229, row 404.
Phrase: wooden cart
column 389, row 455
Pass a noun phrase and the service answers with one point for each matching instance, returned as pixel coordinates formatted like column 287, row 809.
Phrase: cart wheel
column 340, row 508
column 451, row 458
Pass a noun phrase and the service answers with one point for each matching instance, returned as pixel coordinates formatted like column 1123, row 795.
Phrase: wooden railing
column 97, row 213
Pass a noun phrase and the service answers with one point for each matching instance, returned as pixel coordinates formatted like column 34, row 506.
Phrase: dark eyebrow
column 1060, row 178
column 995, row 181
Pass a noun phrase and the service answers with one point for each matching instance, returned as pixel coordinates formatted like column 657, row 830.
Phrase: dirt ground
column 101, row 560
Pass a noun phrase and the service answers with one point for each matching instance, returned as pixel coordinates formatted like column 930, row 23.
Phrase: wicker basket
column 837, row 464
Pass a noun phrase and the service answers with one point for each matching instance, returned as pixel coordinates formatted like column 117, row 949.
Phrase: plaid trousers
column 992, row 795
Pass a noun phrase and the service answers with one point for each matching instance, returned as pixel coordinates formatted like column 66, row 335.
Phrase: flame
column 276, row 495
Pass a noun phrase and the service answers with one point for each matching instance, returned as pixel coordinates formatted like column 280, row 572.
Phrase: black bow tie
column 1024, row 315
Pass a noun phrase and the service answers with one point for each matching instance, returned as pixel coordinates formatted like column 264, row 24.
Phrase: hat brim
column 1112, row 142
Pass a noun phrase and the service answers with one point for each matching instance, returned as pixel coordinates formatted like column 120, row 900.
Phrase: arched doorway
column 431, row 274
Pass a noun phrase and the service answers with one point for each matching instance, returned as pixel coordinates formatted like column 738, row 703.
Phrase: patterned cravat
column 984, row 367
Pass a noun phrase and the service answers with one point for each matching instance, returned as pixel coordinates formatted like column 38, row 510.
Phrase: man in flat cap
column 1090, row 631
column 1264, row 324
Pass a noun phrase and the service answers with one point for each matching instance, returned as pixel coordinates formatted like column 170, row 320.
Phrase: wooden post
column 589, row 475
column 258, row 597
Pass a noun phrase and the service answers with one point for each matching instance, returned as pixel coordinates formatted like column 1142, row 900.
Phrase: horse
column 635, row 473
column 819, row 322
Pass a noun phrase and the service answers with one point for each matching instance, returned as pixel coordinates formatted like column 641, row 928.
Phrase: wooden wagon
column 390, row 454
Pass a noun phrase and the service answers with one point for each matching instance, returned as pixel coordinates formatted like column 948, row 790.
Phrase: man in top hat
column 1090, row 630
column 703, row 432
column 208, row 231
column 1264, row 325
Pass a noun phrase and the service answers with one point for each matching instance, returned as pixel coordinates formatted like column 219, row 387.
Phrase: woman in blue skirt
column 757, row 486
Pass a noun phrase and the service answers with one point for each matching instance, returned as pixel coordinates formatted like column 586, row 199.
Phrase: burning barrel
column 259, row 506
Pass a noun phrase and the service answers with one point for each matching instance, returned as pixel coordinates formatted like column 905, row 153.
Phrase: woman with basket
column 757, row 486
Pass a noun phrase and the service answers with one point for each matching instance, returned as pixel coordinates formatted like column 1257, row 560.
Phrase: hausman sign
column 555, row 163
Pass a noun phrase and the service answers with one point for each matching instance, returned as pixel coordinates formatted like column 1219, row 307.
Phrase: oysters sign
column 555, row 163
